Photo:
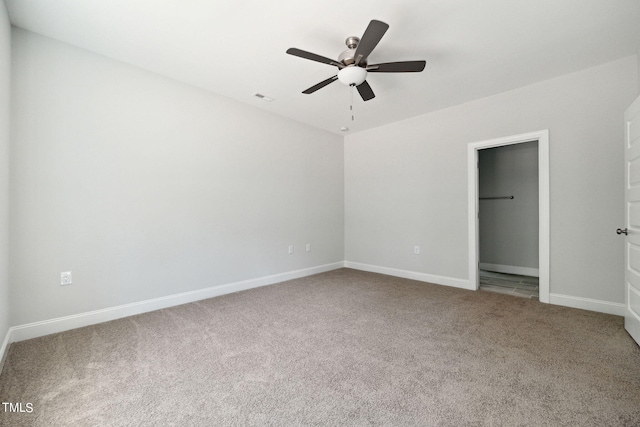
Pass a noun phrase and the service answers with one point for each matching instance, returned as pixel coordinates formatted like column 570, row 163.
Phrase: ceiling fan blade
column 365, row 91
column 320, row 85
column 397, row 67
column 370, row 40
column 312, row 56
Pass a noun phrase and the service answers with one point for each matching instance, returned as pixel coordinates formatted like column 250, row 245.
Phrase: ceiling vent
column 263, row 97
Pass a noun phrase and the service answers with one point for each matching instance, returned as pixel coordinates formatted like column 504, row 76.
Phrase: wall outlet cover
column 65, row 278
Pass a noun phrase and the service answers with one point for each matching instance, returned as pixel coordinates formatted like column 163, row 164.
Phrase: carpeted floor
column 339, row 348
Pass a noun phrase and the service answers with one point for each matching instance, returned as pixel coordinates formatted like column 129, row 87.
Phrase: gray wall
column 406, row 183
column 144, row 187
column 5, row 60
column 508, row 228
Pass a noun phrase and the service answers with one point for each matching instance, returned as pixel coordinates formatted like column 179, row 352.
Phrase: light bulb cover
column 352, row 75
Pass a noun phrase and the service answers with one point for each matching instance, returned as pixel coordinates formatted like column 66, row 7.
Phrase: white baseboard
column 414, row 275
column 4, row 350
column 46, row 327
column 607, row 307
column 510, row 269
column 60, row 324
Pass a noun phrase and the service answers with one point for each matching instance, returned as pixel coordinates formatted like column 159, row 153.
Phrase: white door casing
column 632, row 220
column 543, row 203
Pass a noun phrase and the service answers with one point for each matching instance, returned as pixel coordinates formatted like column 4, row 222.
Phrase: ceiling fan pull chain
column 351, row 106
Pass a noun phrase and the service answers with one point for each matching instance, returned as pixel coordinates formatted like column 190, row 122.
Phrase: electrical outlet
column 290, row 249
column 416, row 250
column 308, row 247
column 65, row 278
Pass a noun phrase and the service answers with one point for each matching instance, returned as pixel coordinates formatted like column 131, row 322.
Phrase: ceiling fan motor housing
column 348, row 56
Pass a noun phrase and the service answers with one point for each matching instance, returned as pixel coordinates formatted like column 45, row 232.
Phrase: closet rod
column 494, row 198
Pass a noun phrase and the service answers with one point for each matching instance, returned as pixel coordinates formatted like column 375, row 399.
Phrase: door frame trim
column 542, row 137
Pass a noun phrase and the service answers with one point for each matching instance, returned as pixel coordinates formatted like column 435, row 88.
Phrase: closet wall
column 508, row 228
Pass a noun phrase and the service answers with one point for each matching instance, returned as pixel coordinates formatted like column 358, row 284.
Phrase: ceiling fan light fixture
column 352, row 75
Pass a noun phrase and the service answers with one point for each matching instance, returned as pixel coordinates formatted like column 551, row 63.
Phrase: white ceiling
column 236, row 48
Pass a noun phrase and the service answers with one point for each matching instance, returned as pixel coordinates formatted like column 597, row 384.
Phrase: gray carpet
column 339, row 348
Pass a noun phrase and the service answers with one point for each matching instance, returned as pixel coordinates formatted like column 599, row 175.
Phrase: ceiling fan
column 352, row 63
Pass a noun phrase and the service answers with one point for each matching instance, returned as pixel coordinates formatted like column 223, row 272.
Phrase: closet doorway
column 508, row 219
column 509, row 215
